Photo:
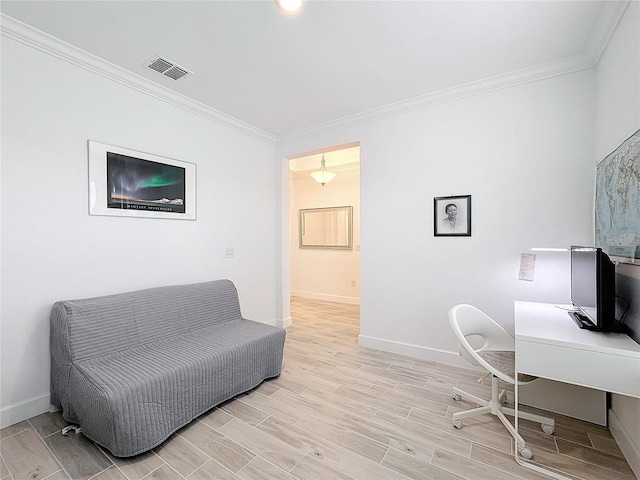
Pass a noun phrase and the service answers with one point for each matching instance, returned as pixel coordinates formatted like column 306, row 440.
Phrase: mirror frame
column 301, row 227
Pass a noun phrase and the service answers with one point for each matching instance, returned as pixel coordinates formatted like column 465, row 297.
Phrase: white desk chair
column 497, row 356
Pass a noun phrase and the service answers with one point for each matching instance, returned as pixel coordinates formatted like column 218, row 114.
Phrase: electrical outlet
column 229, row 252
column 353, row 283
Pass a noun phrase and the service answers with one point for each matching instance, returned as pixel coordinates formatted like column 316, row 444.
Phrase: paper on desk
column 527, row 266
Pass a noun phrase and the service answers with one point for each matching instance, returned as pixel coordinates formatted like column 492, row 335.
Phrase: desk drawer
column 603, row 371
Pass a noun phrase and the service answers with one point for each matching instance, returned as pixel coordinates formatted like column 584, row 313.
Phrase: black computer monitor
column 593, row 288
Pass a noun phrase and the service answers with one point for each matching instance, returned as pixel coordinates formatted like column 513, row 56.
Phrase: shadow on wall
column 628, row 287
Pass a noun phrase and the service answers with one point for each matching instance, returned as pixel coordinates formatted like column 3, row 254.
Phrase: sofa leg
column 75, row 428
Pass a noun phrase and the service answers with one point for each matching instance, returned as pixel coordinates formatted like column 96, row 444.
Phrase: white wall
column 617, row 117
column 524, row 154
column 53, row 250
column 326, row 274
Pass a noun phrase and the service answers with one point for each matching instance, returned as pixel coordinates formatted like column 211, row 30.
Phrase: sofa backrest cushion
column 92, row 327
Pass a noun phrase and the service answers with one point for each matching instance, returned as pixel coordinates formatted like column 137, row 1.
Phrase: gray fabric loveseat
column 132, row 368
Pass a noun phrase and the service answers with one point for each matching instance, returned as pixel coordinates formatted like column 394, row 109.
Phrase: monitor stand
column 582, row 321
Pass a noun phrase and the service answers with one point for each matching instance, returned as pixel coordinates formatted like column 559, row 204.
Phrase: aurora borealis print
column 138, row 184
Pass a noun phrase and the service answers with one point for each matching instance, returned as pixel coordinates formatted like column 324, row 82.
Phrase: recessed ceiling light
column 289, row 5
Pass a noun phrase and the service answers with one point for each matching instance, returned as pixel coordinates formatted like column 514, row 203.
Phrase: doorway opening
column 326, row 271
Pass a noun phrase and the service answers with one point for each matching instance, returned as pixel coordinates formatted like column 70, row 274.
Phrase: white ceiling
column 333, row 59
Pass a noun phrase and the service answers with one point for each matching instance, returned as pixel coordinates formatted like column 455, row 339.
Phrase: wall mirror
column 329, row 227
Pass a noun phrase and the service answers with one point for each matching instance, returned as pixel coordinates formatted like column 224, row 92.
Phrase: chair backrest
column 467, row 320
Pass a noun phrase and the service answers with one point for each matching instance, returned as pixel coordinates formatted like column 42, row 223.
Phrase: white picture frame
column 129, row 183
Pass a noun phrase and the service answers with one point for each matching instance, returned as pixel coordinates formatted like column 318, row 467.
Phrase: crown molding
column 34, row 38
column 603, row 29
column 451, row 94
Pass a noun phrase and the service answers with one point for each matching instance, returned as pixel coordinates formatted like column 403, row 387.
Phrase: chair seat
column 497, row 356
column 505, row 362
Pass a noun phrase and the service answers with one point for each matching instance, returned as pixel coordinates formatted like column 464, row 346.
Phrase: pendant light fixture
column 323, row 176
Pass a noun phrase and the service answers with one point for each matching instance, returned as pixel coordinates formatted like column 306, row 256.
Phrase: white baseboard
column 326, row 297
column 284, row 323
column 625, row 442
column 411, row 350
column 17, row 412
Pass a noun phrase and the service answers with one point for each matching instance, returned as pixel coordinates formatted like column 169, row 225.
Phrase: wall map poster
column 618, row 196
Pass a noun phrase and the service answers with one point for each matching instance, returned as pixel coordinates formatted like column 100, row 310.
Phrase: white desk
column 550, row 345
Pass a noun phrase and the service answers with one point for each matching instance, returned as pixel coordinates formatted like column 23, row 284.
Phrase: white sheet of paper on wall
column 527, row 266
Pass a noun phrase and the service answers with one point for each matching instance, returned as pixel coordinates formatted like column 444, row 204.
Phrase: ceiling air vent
column 167, row 68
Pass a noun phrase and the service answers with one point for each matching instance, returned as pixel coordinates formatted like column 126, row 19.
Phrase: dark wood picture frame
column 452, row 216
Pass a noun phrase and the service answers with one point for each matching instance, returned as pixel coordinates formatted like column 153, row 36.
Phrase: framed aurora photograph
column 128, row 183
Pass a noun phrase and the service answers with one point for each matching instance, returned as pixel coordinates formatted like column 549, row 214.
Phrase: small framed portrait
column 452, row 216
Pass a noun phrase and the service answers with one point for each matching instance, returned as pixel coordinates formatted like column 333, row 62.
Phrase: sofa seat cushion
column 144, row 394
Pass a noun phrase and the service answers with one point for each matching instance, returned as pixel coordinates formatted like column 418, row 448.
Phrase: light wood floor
column 337, row 411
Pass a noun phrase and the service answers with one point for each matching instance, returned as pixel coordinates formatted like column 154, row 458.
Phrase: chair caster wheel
column 548, row 429
column 526, row 453
column 456, row 397
column 457, row 424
